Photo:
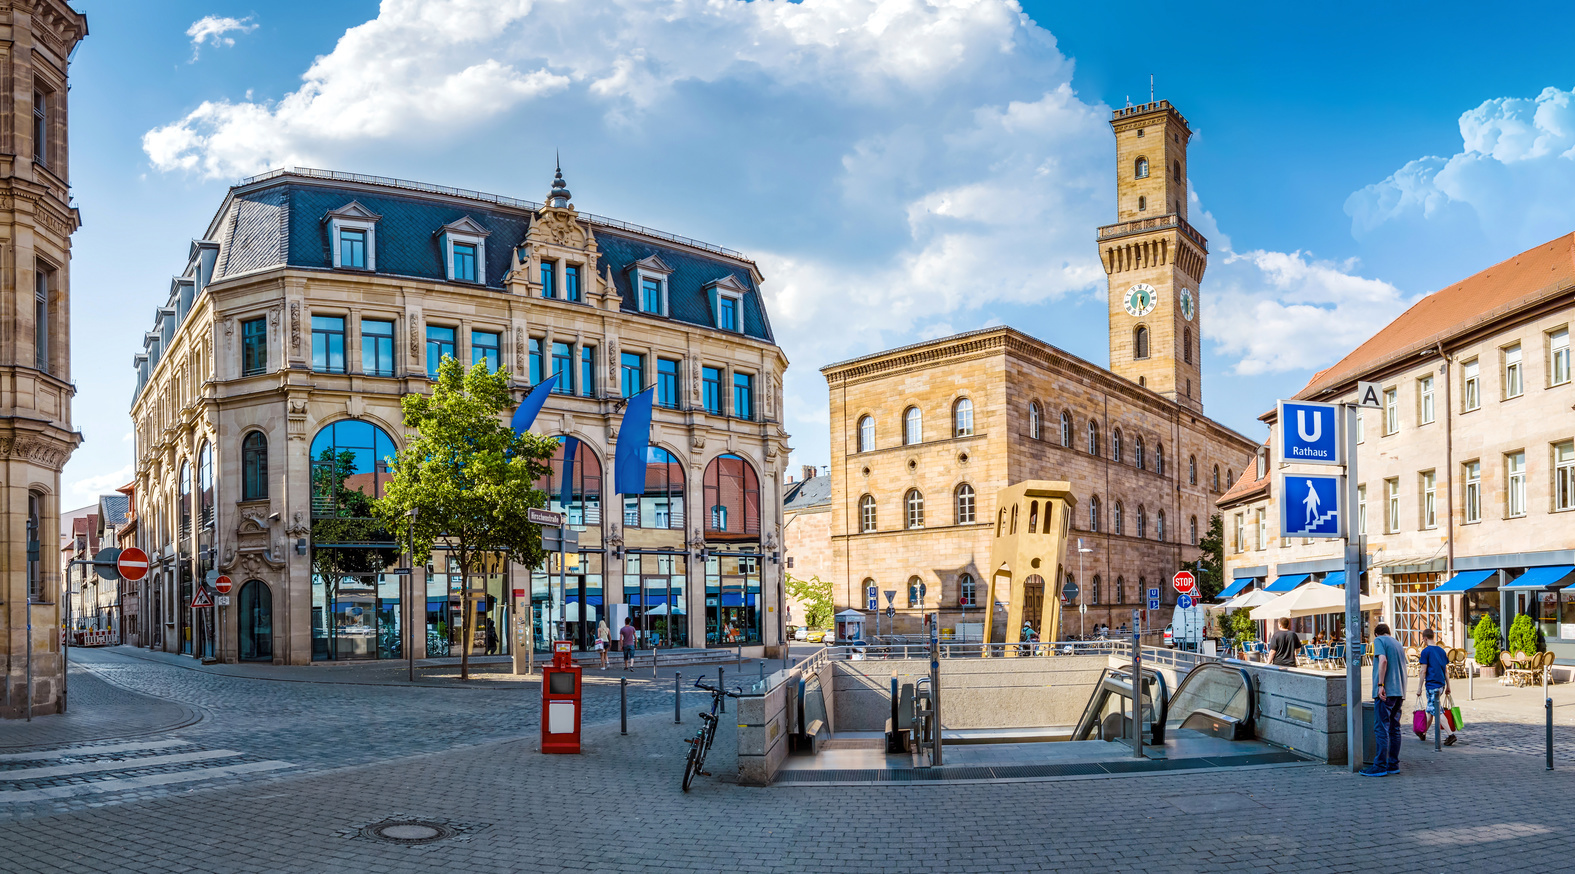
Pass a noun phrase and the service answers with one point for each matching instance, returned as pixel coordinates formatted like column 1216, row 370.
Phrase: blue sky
column 900, row 169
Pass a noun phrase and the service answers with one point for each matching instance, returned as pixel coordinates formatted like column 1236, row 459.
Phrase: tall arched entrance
column 255, row 622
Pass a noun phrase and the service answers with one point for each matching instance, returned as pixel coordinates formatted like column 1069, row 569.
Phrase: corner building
column 925, row 435
column 37, row 437
column 315, row 300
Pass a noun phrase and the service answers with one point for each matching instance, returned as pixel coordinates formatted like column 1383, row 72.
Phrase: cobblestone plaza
column 252, row 769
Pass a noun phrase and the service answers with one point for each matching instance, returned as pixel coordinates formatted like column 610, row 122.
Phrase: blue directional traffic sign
column 1153, row 594
column 1311, row 505
column 1153, row 603
column 1310, row 433
column 1183, row 601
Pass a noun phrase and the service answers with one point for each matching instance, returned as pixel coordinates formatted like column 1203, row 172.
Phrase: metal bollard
column 678, row 697
column 720, row 685
column 762, row 671
column 623, row 704
column 1548, row 705
column 653, row 662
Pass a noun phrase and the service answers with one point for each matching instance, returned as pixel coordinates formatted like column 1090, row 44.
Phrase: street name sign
column 1310, row 433
column 1311, row 505
column 132, row 563
column 545, row 518
column 1369, row 394
column 1184, row 582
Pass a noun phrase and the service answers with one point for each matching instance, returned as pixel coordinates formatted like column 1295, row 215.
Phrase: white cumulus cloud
column 211, row 29
column 102, row 484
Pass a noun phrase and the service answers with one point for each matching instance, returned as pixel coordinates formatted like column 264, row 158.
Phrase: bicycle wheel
column 691, row 765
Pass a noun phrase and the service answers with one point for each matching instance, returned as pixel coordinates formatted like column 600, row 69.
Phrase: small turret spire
column 559, row 196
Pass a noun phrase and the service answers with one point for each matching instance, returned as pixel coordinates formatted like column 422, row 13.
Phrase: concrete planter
column 1487, row 672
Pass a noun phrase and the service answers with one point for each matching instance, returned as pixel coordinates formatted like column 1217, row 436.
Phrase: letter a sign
column 1310, row 433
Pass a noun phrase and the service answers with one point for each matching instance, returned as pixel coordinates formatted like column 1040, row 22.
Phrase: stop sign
column 1184, row 582
column 132, row 564
column 223, row 585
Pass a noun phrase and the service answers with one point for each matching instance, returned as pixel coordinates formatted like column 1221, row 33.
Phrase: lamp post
column 1081, row 631
column 410, row 584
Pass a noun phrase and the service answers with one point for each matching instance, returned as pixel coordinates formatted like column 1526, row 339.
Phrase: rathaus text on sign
column 1309, row 433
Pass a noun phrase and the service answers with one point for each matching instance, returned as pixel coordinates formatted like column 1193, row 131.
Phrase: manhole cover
column 409, row 832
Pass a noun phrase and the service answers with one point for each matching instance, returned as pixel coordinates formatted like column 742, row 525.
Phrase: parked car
column 1170, row 636
column 816, row 636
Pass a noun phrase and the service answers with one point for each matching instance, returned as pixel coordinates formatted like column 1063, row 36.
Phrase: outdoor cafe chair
column 1324, row 659
column 1337, row 657
column 1457, row 663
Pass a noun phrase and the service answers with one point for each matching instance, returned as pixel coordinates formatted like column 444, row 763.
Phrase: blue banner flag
column 525, row 415
column 634, row 435
column 570, row 444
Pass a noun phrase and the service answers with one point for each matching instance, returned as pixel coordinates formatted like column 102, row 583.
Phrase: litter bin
column 1369, row 733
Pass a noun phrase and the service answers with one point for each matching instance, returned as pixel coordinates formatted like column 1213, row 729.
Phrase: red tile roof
column 1534, row 274
column 1249, row 486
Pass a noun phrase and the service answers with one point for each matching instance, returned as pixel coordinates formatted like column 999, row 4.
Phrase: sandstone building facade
column 315, row 300
column 1466, row 475
column 924, row 436
column 37, row 219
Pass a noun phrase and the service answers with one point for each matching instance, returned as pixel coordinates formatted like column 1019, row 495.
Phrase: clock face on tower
column 1140, row 299
column 1187, row 306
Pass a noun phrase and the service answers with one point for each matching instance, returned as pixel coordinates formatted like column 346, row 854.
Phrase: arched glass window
column 1175, row 170
column 185, row 499
column 867, row 513
column 1140, row 168
column 1142, row 203
column 1033, row 421
column 1093, row 592
column 662, row 505
column 1142, row 521
column 915, row 592
column 1193, row 526
column 962, row 418
column 1093, row 514
column 254, row 467
column 1216, row 477
column 1093, row 437
column 1192, row 470
column 1186, row 344
column 967, row 595
column 1137, row 451
column 867, row 434
column 1121, row 590
column 1117, row 523
column 732, row 499
column 1066, row 429
column 205, row 485
column 1159, row 526
column 913, row 506
column 1115, row 444
column 1159, row 458
column 912, row 426
column 1140, row 342
column 1230, row 477
column 964, row 504
column 584, row 505
column 351, row 465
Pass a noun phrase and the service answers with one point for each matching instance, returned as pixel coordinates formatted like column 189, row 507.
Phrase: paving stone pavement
column 618, row 807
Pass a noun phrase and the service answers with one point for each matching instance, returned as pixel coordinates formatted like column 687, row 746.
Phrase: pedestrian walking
column 626, row 640
column 1434, row 665
column 490, row 636
column 603, row 641
column 1388, row 699
column 1284, row 644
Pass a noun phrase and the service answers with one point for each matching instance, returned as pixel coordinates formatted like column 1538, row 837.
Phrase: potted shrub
column 1485, row 637
column 1522, row 635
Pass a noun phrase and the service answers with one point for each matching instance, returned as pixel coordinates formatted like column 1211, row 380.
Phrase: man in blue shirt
column 1388, row 698
column 1435, row 679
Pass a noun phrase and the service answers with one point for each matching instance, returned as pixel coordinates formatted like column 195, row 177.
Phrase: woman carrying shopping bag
column 603, row 641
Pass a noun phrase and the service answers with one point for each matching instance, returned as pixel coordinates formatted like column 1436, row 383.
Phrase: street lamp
column 1081, row 631
column 410, row 597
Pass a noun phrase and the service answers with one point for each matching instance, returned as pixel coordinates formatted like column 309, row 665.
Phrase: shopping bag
column 1456, row 721
column 1419, row 721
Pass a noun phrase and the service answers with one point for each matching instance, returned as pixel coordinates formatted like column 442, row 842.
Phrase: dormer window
column 352, row 236
column 727, row 303
column 648, row 277
column 727, row 313
column 464, row 245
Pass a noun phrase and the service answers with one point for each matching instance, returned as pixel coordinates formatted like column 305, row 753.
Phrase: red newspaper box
column 560, row 701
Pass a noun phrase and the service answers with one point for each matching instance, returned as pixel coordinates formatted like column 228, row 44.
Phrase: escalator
column 1096, row 723
column 1213, row 699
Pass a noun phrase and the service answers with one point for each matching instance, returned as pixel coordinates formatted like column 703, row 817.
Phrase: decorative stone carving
column 415, row 339
column 295, row 326
column 297, row 528
column 696, row 443
column 519, row 351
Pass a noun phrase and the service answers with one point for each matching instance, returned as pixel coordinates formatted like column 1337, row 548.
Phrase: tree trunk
column 465, row 616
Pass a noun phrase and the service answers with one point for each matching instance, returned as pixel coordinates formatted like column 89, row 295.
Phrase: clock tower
column 1153, row 259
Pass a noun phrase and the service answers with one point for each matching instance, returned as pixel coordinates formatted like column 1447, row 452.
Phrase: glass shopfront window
column 733, row 606
column 1547, row 613
column 654, row 588
column 570, row 610
column 1416, row 608
column 1480, row 603
column 445, row 606
column 585, row 487
column 356, row 616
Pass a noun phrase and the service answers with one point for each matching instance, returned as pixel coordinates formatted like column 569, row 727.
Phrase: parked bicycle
column 700, row 744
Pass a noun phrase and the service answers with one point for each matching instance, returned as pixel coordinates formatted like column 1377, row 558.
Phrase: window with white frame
column 912, row 426
column 1159, row 526
column 1514, row 377
column 648, row 279
column 465, row 251
column 1261, row 520
column 867, row 514
column 1429, row 488
column 913, row 506
column 1559, row 356
column 1093, row 514
column 1392, row 505
column 1192, row 470
column 1424, row 400
column 1118, row 522
column 1515, row 483
column 1470, row 385
column 1391, row 411
column 352, row 237
column 962, row 418
column 966, row 593
column 1033, row 421
column 1471, row 492
column 867, row 434
column 965, row 504
column 1192, row 530
column 1361, row 423
column 1361, row 509
column 1093, row 437
column 1115, row 445
column 1138, row 456
column 1066, row 429
column 1564, row 476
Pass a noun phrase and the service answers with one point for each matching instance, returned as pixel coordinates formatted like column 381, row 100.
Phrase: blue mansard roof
column 278, row 220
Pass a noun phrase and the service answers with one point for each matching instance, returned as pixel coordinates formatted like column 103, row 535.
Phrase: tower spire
column 559, row 195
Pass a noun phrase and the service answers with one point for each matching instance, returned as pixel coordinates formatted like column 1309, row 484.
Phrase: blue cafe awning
column 1336, row 579
column 1462, row 582
column 1236, row 588
column 1542, row 577
column 1285, row 583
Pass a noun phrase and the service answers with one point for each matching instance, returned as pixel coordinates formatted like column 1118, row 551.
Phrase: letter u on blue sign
column 1309, row 433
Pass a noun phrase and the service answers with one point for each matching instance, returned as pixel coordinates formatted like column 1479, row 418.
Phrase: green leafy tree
column 1238, row 624
column 466, row 479
column 1523, row 635
column 1485, row 636
column 1212, row 580
column 816, row 598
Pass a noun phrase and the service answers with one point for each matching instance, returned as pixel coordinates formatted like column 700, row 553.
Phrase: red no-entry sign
column 223, row 585
column 1184, row 582
column 132, row 564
